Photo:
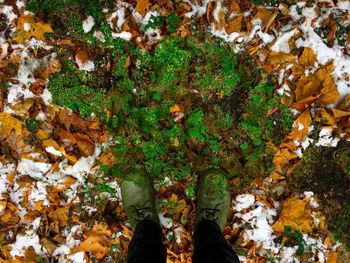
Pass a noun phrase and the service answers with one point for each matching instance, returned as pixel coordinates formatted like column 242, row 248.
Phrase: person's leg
column 139, row 204
column 213, row 202
column 147, row 243
column 210, row 245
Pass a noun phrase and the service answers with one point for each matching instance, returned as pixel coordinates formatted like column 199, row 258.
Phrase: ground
column 91, row 89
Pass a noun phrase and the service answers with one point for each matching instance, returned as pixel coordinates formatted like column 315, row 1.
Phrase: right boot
column 213, row 197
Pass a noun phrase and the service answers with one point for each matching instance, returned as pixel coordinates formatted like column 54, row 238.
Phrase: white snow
column 123, row 35
column 39, row 193
column 85, row 65
column 36, row 170
column 53, row 151
column 326, row 138
column 5, row 170
column 77, row 257
column 323, row 52
column 88, row 23
column 244, row 201
column 165, row 221
column 99, row 35
column 281, row 44
column 30, row 239
column 8, row 11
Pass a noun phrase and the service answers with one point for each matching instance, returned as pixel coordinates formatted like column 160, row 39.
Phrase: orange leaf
column 332, row 257
column 96, row 244
column 142, row 6
column 175, row 108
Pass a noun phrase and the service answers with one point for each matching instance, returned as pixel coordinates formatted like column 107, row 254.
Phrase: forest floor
column 92, row 88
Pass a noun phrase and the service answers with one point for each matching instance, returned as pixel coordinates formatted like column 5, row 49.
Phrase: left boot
column 138, row 198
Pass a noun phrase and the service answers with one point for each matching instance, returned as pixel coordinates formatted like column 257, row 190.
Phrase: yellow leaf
column 29, row 26
column 307, row 58
column 176, row 142
column 324, row 117
column 9, row 124
column 175, row 108
column 295, row 213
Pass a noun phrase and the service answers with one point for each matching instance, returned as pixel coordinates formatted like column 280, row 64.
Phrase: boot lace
column 211, row 213
column 141, row 211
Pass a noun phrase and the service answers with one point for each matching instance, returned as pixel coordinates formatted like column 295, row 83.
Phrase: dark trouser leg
column 210, row 245
column 147, row 244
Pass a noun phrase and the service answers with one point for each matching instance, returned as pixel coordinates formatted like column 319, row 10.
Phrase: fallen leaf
column 96, row 244
column 176, row 142
column 175, row 108
column 332, row 257
column 276, row 58
column 307, row 58
column 295, row 213
column 85, row 145
column 142, row 6
column 29, row 26
column 60, row 215
column 234, row 6
column 234, row 25
column 266, row 17
column 339, row 113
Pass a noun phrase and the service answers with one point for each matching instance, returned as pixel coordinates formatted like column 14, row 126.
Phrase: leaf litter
column 53, row 161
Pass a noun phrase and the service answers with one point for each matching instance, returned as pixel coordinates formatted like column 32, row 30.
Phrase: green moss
column 32, row 125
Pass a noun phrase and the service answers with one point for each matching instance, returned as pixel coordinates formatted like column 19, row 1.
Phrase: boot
column 213, row 197
column 138, row 198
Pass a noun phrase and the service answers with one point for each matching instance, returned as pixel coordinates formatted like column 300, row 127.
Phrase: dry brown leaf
column 339, row 113
column 101, row 229
column 60, row 215
column 66, row 137
column 301, row 126
column 295, row 213
column 82, row 56
column 324, row 117
column 307, row 58
column 96, row 244
column 276, row 58
column 85, row 145
column 234, row 25
column 234, row 6
column 53, row 67
column 107, row 158
column 307, row 87
column 29, row 26
column 142, row 6
column 266, row 17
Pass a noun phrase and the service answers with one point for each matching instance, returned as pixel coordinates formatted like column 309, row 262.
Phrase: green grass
column 135, row 107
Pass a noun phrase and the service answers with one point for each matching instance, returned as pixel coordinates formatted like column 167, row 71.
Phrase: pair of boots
column 213, row 201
